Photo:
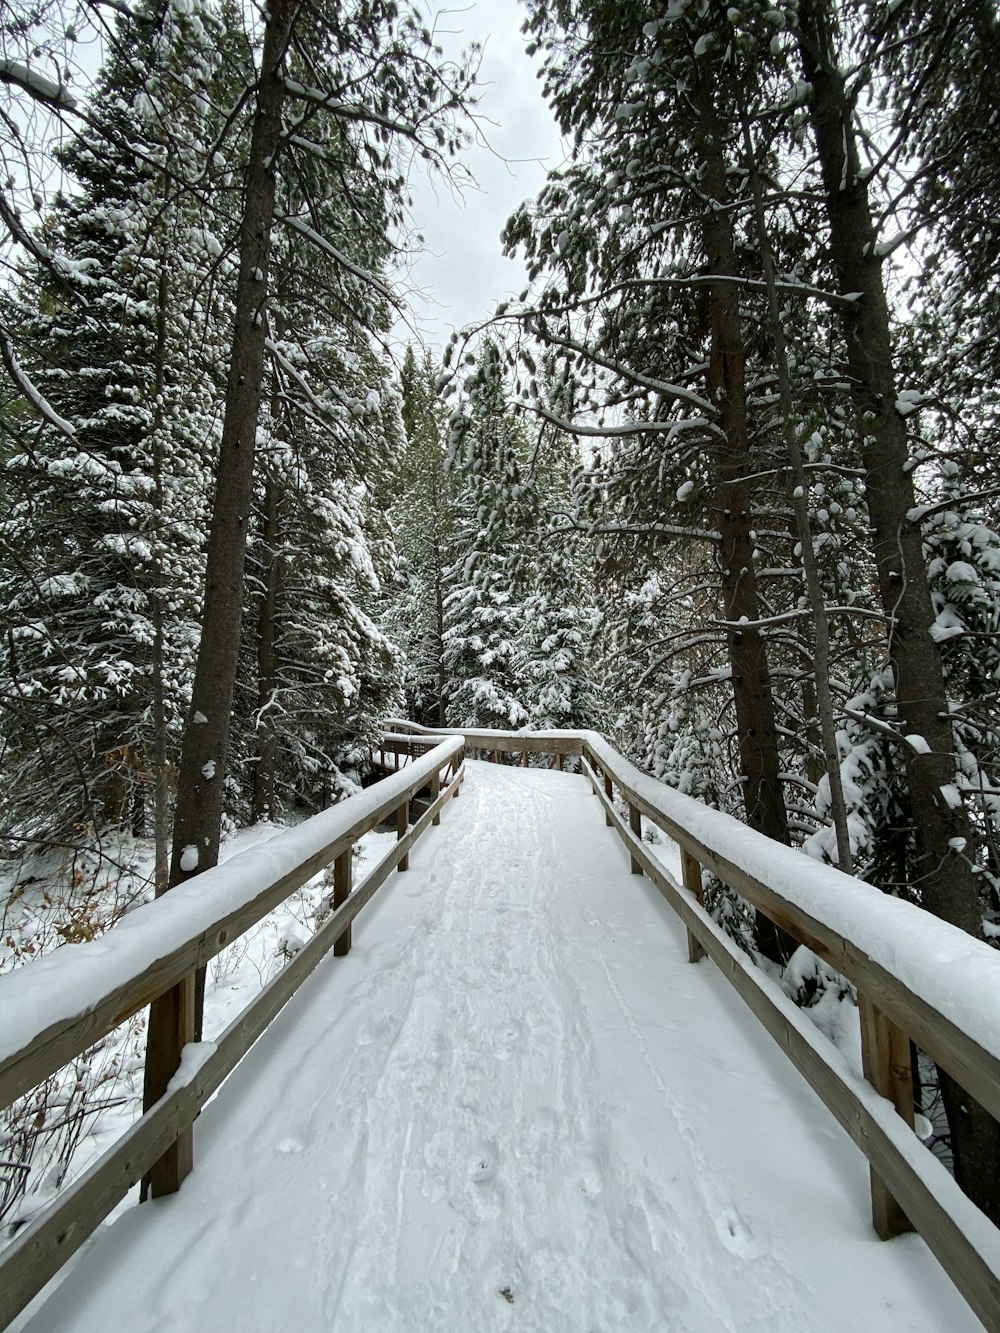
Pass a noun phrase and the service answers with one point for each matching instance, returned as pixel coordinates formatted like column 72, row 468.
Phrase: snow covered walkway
column 514, row 1106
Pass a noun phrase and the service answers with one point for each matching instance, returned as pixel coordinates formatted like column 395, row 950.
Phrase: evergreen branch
column 37, row 399
column 338, row 256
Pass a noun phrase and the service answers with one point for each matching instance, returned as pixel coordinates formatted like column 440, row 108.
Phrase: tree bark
column 799, row 488
column 161, row 770
column 197, row 821
column 756, row 726
column 941, row 875
column 264, row 798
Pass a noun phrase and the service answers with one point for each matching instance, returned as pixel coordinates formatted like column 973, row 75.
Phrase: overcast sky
column 462, row 274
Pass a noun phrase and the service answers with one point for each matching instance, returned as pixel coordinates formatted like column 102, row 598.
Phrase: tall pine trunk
column 941, row 874
column 756, row 726
column 799, row 488
column 198, row 817
column 264, row 794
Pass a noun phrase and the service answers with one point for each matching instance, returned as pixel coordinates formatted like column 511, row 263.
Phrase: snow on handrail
column 931, row 971
column 101, row 982
column 932, row 978
column 69, row 999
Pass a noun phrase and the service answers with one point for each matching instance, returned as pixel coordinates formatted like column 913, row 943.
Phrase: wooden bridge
column 915, row 977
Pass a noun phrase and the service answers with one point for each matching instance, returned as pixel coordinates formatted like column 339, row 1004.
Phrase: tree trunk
column 161, row 771
column 442, row 679
column 197, row 821
column 941, row 875
column 757, row 732
column 264, row 800
column 799, row 488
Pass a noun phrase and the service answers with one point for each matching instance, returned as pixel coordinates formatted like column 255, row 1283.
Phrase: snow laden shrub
column 964, row 574
column 830, row 999
column 52, row 899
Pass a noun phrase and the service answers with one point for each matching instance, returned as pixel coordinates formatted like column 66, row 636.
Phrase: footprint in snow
column 369, row 1033
column 589, row 1179
column 733, row 1231
column 291, row 1144
column 506, row 1040
column 483, row 1168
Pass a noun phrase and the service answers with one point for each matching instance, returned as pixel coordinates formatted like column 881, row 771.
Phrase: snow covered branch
column 329, row 102
column 323, row 244
column 37, row 400
column 38, row 86
column 668, row 428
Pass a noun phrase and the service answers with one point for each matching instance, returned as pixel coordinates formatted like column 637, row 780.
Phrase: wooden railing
column 916, row 978
column 53, row 1009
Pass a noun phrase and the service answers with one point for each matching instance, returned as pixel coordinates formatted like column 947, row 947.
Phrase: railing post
column 635, row 824
column 609, row 792
column 171, row 1027
column 402, row 824
column 435, row 793
column 343, row 870
column 691, row 873
column 559, row 761
column 885, row 1059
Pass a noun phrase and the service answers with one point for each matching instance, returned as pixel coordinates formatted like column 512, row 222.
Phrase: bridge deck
column 514, row 1106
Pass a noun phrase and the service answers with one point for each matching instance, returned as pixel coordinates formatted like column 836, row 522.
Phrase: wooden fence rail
column 52, row 1010
column 916, row 977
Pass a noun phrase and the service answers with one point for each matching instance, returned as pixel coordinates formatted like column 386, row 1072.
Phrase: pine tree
column 422, row 513
column 559, row 615
column 325, row 674
column 483, row 605
column 104, row 529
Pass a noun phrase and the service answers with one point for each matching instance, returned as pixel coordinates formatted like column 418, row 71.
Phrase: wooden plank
column 635, row 824
column 691, row 874
column 506, row 742
column 171, row 1027
column 435, row 790
column 885, row 1058
column 609, row 791
column 64, row 1040
column 343, row 873
column 929, row 1196
column 972, row 1065
column 40, row 1249
column 402, row 823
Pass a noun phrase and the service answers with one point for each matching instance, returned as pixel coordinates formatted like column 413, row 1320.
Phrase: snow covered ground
column 514, row 1106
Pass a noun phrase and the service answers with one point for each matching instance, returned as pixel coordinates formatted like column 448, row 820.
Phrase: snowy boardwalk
column 514, row 1106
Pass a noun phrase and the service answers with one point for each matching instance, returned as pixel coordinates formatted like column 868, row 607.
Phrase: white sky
column 462, row 274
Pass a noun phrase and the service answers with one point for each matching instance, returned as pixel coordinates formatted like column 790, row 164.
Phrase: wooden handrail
column 504, row 742
column 894, row 967
column 53, row 1009
column 911, row 1189
column 814, row 902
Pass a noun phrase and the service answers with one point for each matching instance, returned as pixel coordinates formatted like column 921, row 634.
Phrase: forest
column 720, row 484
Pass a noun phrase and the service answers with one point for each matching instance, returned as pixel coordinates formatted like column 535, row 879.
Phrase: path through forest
column 514, row 1106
